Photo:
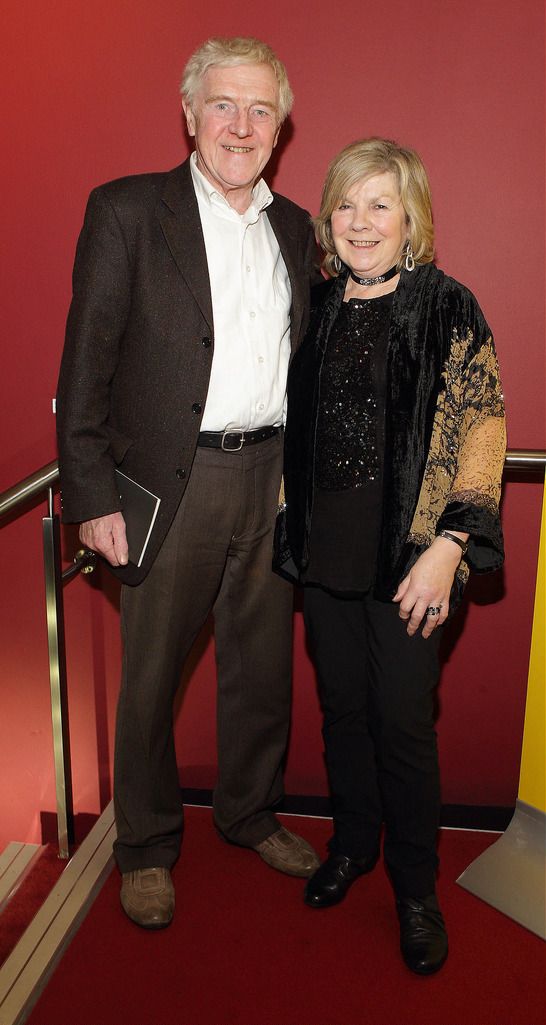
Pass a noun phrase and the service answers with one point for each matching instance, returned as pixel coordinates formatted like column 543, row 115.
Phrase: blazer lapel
column 298, row 282
column 179, row 216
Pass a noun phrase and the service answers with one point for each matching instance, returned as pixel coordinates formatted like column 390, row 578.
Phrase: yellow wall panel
column 532, row 782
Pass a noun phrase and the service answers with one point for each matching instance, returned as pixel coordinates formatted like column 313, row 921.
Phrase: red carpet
column 244, row 950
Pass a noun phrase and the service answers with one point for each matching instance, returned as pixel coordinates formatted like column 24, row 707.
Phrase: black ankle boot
column 331, row 881
column 423, row 937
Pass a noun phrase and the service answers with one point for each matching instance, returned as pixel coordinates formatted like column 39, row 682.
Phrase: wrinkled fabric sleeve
column 96, row 323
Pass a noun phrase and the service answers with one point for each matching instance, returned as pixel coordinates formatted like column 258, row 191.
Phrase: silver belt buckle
column 230, row 430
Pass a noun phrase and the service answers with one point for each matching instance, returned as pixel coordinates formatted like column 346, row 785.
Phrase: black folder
column 139, row 507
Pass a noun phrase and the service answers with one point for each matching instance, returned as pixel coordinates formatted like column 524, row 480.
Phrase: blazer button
column 196, row 408
column 206, row 342
column 180, row 473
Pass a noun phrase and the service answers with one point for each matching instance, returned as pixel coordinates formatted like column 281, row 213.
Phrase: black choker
column 375, row 281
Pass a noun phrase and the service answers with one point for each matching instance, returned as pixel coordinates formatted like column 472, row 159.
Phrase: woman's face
column 369, row 226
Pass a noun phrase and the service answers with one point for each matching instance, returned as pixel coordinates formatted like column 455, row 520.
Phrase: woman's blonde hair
column 227, row 53
column 362, row 160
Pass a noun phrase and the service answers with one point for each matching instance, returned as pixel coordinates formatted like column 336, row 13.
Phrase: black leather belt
column 233, row 441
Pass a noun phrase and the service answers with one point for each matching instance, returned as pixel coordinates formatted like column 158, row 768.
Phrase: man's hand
column 428, row 585
column 106, row 535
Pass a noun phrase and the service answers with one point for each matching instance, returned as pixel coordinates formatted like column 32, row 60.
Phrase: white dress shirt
column 251, row 298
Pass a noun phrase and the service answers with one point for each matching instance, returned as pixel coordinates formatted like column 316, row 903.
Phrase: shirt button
column 196, row 408
column 260, row 406
column 252, row 314
column 180, row 473
column 206, row 342
column 260, row 359
column 248, row 270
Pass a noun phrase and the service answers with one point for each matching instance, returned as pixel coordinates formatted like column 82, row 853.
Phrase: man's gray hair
column 226, row 53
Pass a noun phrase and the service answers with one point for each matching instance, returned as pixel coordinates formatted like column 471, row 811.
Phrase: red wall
column 92, row 93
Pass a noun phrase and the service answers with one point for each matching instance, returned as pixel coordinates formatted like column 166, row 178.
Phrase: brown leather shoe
column 147, row 897
column 288, row 853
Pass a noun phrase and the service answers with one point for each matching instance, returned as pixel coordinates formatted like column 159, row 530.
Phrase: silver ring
column 434, row 610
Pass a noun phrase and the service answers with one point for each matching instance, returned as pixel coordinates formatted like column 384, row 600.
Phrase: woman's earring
column 409, row 262
column 337, row 264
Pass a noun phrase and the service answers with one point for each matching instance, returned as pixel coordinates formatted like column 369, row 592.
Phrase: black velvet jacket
column 444, row 430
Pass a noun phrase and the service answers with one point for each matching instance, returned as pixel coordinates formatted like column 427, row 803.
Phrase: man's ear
column 190, row 117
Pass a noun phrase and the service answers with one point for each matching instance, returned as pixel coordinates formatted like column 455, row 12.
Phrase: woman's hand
column 428, row 585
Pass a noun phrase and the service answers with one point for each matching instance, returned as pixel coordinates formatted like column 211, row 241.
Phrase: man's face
column 234, row 119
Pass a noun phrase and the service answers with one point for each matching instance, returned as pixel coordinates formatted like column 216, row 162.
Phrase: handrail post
column 57, row 678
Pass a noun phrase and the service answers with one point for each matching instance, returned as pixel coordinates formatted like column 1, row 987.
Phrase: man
column 190, row 292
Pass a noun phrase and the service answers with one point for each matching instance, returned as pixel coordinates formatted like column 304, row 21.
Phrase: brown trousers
column 217, row 555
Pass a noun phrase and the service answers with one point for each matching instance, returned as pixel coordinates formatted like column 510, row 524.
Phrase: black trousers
column 217, row 555
column 376, row 686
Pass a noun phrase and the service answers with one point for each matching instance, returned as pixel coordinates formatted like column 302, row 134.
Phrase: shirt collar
column 207, row 193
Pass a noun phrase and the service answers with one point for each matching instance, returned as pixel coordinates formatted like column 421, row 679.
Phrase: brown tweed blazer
column 139, row 343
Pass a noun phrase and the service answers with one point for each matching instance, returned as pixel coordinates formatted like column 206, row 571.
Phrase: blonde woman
column 394, row 451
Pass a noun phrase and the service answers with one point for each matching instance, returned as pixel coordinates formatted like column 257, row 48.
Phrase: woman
column 394, row 452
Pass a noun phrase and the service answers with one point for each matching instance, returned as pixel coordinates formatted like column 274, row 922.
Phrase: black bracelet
column 463, row 545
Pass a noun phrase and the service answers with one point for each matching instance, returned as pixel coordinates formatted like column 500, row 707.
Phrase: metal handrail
column 516, row 459
column 36, row 484
column 43, row 480
column 29, row 487
column 524, row 459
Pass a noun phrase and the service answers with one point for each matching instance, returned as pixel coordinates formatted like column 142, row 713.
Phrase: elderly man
column 190, row 293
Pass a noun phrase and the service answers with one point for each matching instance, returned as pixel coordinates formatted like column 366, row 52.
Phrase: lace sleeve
column 473, row 499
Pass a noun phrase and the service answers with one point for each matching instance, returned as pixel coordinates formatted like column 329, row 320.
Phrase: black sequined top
column 349, row 448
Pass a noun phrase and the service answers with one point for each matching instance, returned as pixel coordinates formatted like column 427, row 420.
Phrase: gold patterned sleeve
column 480, row 442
